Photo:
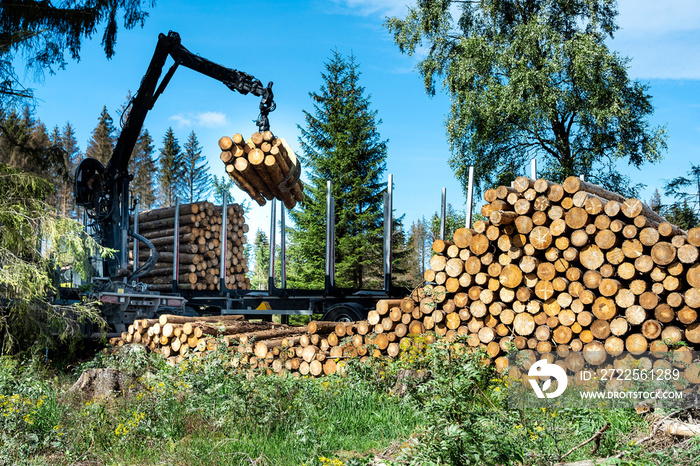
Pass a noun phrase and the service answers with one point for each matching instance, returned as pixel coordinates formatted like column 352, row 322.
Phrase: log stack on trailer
column 263, row 166
column 199, row 246
column 567, row 270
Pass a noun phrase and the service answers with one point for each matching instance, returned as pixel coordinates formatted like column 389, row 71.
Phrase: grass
column 204, row 412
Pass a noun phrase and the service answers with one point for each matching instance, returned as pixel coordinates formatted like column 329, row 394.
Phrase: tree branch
column 596, row 438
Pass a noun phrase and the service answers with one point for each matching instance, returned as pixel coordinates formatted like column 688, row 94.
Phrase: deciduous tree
column 533, row 79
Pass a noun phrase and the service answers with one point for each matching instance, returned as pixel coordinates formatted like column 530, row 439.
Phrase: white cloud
column 212, row 119
column 181, row 120
column 200, row 119
column 374, row 7
column 661, row 37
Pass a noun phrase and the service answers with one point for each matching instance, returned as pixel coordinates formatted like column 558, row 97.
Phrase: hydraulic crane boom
column 104, row 191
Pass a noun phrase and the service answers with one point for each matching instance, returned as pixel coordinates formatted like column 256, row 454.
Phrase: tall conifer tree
column 143, row 167
column 340, row 142
column 195, row 183
column 170, row 169
column 261, row 253
column 101, row 144
column 72, row 156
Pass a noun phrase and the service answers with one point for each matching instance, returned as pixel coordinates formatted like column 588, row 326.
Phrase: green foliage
column 454, row 219
column 101, row 144
column 261, row 258
column 532, row 79
column 143, row 167
column 42, row 33
column 64, row 198
column 30, row 415
column 401, row 258
column 225, row 185
column 25, row 144
column 214, row 408
column 682, row 215
column 420, row 241
column 686, row 191
column 171, row 169
column 340, row 143
column 32, row 242
column 195, row 183
column 211, row 408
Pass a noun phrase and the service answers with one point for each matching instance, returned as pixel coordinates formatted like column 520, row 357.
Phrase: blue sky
column 287, row 42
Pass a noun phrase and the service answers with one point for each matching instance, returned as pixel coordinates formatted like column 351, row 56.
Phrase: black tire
column 346, row 312
column 190, row 312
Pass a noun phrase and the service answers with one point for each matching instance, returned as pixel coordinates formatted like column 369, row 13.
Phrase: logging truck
column 103, row 192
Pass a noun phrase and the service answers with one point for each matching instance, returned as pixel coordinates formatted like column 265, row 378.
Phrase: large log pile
column 562, row 270
column 200, row 236
column 263, row 166
column 567, row 268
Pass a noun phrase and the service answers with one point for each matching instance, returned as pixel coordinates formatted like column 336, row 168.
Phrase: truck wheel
column 190, row 312
column 346, row 312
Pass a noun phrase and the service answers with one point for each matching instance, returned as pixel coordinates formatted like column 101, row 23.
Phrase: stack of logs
column 568, row 267
column 200, row 227
column 175, row 336
column 316, row 349
column 556, row 269
column 264, row 166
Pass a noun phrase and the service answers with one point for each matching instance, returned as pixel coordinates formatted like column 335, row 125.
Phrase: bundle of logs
column 200, row 235
column 319, row 348
column 175, row 336
column 263, row 166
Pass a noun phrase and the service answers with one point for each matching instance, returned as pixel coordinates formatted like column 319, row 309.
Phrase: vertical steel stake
column 470, row 197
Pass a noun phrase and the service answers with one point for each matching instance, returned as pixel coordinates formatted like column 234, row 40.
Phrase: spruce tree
column 42, row 33
column 682, row 215
column 195, row 184
column 24, row 144
column 340, row 142
column 686, row 190
column 401, row 257
column 63, row 179
column 655, row 202
column 261, row 254
column 171, row 168
column 143, row 168
column 420, row 239
column 101, row 144
column 69, row 144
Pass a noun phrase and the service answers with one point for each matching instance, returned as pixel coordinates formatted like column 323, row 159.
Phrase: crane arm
column 148, row 93
column 104, row 191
